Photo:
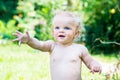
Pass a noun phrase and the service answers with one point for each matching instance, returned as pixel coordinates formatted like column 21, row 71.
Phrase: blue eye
column 57, row 27
column 67, row 28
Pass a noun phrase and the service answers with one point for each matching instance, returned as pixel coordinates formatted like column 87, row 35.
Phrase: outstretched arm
column 33, row 42
column 92, row 64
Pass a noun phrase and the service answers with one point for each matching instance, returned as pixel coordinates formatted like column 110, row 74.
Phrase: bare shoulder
column 82, row 48
column 50, row 42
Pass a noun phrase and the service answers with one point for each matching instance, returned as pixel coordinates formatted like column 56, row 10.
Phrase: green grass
column 25, row 63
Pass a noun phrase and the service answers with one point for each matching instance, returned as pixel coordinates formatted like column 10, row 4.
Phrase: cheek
column 54, row 33
column 72, row 34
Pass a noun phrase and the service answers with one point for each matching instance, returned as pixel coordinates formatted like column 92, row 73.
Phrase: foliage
column 102, row 22
column 37, row 15
column 43, row 29
column 7, row 9
column 7, row 29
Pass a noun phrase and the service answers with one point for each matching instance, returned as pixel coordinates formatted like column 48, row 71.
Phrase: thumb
column 28, row 34
column 92, row 70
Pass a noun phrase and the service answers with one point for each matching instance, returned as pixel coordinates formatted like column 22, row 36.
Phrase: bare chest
column 65, row 55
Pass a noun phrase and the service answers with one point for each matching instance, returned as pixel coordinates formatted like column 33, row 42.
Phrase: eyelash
column 57, row 28
column 66, row 28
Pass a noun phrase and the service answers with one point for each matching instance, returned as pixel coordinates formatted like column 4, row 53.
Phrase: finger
column 92, row 71
column 18, row 32
column 19, row 43
column 15, row 34
column 98, row 69
column 17, row 39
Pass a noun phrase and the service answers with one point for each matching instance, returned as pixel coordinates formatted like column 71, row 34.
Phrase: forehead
column 61, row 19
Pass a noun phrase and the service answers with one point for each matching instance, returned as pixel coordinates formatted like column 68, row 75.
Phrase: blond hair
column 76, row 18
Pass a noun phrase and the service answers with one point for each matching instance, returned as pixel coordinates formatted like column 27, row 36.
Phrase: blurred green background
column 100, row 32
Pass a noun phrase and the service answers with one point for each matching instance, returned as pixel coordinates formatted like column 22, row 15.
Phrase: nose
column 61, row 30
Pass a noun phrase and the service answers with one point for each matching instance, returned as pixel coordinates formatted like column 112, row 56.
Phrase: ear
column 77, row 34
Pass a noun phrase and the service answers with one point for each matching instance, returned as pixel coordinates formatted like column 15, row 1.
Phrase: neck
column 65, row 44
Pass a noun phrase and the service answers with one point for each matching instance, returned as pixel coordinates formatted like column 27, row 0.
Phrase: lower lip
column 61, row 37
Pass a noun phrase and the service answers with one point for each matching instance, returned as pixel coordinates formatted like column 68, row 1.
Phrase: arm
column 92, row 64
column 40, row 45
column 33, row 42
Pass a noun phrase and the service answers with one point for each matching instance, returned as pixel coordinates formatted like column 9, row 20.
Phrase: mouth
column 61, row 36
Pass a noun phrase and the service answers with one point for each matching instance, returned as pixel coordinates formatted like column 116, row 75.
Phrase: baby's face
column 64, row 29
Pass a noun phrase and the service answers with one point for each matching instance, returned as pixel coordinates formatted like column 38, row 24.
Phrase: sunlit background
column 100, row 32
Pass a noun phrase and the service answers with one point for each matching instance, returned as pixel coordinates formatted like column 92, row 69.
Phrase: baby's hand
column 96, row 67
column 21, row 38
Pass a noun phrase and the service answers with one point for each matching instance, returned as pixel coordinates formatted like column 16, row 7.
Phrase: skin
column 66, row 57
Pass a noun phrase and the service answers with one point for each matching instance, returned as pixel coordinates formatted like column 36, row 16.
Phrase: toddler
column 65, row 56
